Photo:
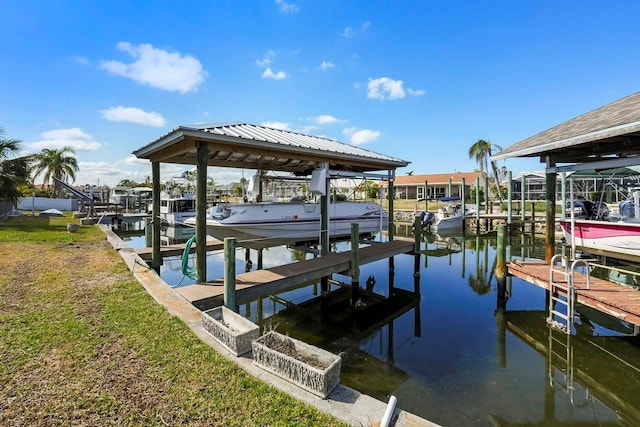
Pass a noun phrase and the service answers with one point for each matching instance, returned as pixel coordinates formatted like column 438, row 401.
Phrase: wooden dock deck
column 254, row 284
column 619, row 301
column 178, row 249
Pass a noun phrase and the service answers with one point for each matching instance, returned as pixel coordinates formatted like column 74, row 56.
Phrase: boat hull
column 613, row 239
column 278, row 223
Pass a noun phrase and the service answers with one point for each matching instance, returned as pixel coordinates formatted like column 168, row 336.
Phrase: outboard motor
column 426, row 219
column 627, row 208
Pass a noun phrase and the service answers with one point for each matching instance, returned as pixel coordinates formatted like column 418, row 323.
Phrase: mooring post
column 477, row 205
column 501, row 304
column 463, row 197
column 260, row 259
column 417, row 234
column 426, row 196
column 509, row 201
column 230, row 273
column 156, row 255
column 355, row 263
column 148, row 232
column 501, row 267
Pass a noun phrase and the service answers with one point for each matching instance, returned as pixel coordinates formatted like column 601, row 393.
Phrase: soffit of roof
column 242, row 145
column 611, row 130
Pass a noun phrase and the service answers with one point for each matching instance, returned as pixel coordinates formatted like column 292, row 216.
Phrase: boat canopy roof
column 448, row 199
column 248, row 146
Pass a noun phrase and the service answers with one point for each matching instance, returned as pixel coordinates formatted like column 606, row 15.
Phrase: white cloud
column 133, row 115
column 415, row 92
column 133, row 161
column 350, row 32
column 286, row 7
column 59, row 138
column 267, row 59
column 385, row 88
column 325, row 119
column 158, row 68
column 359, row 137
column 268, row 74
column 277, row 125
column 326, row 65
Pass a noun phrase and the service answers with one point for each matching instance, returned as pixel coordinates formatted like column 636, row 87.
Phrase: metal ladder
column 560, row 349
column 562, row 279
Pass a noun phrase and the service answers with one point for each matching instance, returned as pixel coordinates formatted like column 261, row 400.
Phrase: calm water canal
column 450, row 354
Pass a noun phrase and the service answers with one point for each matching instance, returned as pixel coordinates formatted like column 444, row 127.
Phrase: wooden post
column 477, row 204
column 230, row 273
column 522, row 200
column 501, row 268
column 355, row 264
column 426, row 196
column 201, row 211
column 463, row 196
column 156, row 256
column 148, row 232
column 417, row 234
column 550, row 224
column 391, row 194
column 260, row 259
column 486, row 194
column 509, row 201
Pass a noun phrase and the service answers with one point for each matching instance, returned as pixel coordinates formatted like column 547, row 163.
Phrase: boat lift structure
column 605, row 138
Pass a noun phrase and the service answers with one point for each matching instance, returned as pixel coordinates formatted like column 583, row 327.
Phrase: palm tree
column 481, row 151
column 14, row 171
column 60, row 163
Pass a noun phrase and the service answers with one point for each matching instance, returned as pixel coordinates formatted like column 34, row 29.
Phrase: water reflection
column 456, row 346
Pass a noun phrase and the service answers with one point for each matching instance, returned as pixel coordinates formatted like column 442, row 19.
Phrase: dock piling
column 230, row 273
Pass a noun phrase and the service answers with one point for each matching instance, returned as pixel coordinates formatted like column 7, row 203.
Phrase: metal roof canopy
column 247, row 146
column 607, row 137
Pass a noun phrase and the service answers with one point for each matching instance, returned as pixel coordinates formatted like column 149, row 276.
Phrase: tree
column 59, row 163
column 481, row 151
column 14, row 171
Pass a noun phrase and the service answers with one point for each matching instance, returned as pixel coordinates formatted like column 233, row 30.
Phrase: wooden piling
column 355, row 263
column 230, row 273
column 501, row 264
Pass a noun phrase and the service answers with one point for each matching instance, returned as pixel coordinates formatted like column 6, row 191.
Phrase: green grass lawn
column 82, row 343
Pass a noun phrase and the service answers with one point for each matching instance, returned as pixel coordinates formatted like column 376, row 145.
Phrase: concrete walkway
column 343, row 403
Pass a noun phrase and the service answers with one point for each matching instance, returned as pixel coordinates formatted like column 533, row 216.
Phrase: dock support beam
column 550, row 224
column 355, row 264
column 230, row 273
column 156, row 256
column 201, row 212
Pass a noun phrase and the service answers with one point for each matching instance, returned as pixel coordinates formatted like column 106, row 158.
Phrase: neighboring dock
column 619, row 301
column 253, row 284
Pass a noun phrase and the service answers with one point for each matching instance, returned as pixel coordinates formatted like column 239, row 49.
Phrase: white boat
column 446, row 218
column 120, row 195
column 177, row 209
column 288, row 222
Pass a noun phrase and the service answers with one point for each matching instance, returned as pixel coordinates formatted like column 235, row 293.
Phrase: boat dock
column 254, row 284
column 178, row 249
column 619, row 301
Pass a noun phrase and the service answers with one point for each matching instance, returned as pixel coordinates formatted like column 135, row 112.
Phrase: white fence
column 42, row 203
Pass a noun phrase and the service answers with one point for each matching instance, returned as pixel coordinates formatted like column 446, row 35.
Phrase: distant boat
column 121, row 195
column 177, row 209
column 449, row 217
column 286, row 222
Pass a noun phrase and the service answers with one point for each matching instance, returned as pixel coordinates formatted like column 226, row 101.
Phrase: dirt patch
column 285, row 345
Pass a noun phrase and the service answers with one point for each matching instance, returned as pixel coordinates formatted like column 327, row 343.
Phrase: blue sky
column 418, row 80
